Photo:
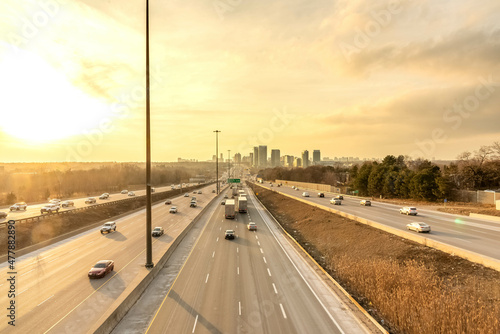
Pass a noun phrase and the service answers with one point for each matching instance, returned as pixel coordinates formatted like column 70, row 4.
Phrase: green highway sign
column 234, row 180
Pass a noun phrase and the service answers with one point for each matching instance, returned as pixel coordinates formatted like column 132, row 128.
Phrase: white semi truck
column 230, row 210
column 242, row 204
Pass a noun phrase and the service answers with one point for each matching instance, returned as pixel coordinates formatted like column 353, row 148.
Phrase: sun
column 40, row 105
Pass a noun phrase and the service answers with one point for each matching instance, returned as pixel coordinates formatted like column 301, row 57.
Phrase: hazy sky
column 351, row 78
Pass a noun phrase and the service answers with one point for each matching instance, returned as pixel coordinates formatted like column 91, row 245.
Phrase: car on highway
column 419, row 227
column 3, row 215
column 104, row 196
column 131, row 193
column 55, row 201
column 252, row 227
column 124, row 191
column 194, row 192
column 192, row 204
column 223, row 202
column 153, row 190
column 173, row 209
column 340, row 197
column 365, row 202
column 193, row 198
column 336, row 201
column 296, row 188
column 225, row 196
column 186, row 195
column 157, row 231
column 108, row 227
column 199, row 192
column 408, row 210
column 67, row 204
column 90, row 200
column 305, row 194
column 229, row 234
column 271, row 185
column 213, row 191
column 19, row 206
column 321, row 194
column 101, row 269
column 50, row 208
column 168, row 202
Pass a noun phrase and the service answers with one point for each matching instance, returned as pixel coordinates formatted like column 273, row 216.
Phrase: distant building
column 305, row 158
column 297, row 162
column 249, row 159
column 275, row 158
column 197, row 179
column 262, row 155
column 316, row 157
column 256, row 156
column 237, row 158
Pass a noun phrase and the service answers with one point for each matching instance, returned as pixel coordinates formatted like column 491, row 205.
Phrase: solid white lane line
column 261, row 251
column 73, row 250
column 283, row 311
column 264, row 259
column 239, row 307
column 195, row 322
column 45, row 300
column 27, row 272
column 269, row 272
column 275, row 290
column 213, row 254
column 52, row 260
column 206, row 280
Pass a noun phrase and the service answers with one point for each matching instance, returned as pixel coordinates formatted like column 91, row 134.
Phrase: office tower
column 262, row 155
column 275, row 158
column 316, row 157
column 305, row 158
column 237, row 158
column 256, row 156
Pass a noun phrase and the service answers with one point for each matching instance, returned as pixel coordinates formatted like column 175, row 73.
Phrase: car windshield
column 157, row 229
column 100, row 265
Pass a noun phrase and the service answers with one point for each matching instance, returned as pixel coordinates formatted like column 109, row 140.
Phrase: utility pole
column 228, row 164
column 149, row 244
column 217, row 159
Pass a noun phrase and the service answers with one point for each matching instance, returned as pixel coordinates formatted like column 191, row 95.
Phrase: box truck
column 230, row 209
column 242, row 204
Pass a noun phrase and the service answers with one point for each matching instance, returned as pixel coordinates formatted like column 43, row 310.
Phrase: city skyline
column 351, row 78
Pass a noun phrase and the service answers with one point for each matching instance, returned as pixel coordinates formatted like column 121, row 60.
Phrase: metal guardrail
column 75, row 210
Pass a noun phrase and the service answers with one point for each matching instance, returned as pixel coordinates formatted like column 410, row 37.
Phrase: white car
column 131, row 193
column 124, row 191
column 336, row 201
column 108, row 227
column 305, row 194
column 67, row 204
column 173, row 209
column 50, row 208
column 408, row 210
column 419, row 227
column 104, row 196
column 19, row 206
column 55, row 201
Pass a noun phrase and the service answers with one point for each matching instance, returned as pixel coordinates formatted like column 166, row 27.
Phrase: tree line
column 41, row 185
column 405, row 178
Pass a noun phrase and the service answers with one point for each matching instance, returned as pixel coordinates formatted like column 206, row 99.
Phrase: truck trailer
column 242, row 204
column 230, row 210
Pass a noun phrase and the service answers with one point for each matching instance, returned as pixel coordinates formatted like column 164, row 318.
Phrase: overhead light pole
column 217, row 159
column 149, row 244
column 228, row 164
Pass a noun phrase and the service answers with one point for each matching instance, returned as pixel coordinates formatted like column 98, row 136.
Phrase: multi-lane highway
column 52, row 291
column 479, row 236
column 34, row 210
column 256, row 283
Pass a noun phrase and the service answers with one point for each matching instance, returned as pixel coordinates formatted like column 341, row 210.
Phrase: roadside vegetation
column 403, row 178
column 407, row 287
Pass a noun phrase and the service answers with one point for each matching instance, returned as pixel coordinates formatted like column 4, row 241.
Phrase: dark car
column 339, row 197
column 3, row 215
column 158, row 231
column 321, row 195
column 229, row 234
column 101, row 269
column 168, row 202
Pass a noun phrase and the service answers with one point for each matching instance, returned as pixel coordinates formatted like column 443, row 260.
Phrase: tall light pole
column 217, row 158
column 228, row 164
column 149, row 244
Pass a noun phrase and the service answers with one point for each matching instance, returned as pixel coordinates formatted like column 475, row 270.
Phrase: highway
column 479, row 236
column 34, row 210
column 256, row 283
column 53, row 292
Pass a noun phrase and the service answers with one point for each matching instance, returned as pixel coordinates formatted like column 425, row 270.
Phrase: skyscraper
column 256, row 156
column 316, row 157
column 262, row 155
column 237, row 158
column 275, row 158
column 305, row 158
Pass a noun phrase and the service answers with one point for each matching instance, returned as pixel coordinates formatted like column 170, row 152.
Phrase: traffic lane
column 51, row 278
column 476, row 237
column 179, row 312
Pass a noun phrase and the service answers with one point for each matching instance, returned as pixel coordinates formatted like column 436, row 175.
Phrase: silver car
column 419, row 227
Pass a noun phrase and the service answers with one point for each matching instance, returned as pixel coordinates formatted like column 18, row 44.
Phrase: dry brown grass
column 414, row 289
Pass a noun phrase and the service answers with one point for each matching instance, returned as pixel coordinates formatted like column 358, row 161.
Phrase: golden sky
column 351, row 78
